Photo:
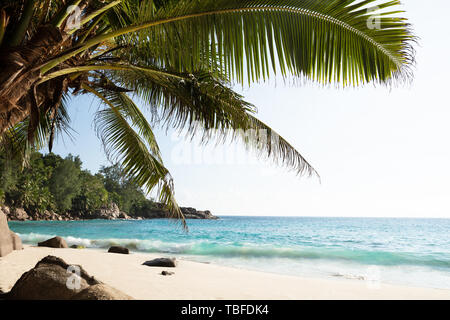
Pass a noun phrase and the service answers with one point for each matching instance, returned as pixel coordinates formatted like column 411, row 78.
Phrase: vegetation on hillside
column 58, row 184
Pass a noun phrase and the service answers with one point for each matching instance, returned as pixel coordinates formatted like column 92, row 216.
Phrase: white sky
column 380, row 152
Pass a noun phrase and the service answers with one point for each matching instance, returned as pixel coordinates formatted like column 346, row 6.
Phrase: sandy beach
column 194, row 280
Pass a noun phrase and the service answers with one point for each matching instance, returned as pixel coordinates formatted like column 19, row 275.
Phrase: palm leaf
column 122, row 144
column 325, row 40
column 199, row 103
column 15, row 141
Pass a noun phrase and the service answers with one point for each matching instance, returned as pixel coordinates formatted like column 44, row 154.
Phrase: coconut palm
column 179, row 58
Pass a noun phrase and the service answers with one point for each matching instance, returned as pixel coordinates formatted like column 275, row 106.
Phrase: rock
column 123, row 215
column 16, row 241
column 191, row 213
column 159, row 212
column 56, row 242
column 53, row 279
column 167, row 273
column 47, row 215
column 3, row 295
column 18, row 214
column 48, row 280
column 161, row 262
column 109, row 212
column 9, row 241
column 101, row 292
column 118, row 249
column 6, row 211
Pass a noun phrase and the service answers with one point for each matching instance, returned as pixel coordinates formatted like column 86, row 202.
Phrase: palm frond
column 201, row 103
column 324, row 40
column 57, row 125
column 123, row 144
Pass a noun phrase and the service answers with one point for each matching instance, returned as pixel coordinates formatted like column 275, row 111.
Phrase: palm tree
column 180, row 58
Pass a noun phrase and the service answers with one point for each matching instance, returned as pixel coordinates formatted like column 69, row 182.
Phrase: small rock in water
column 118, row 249
column 161, row 262
column 167, row 273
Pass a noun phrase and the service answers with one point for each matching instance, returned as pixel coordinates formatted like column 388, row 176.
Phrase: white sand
column 193, row 280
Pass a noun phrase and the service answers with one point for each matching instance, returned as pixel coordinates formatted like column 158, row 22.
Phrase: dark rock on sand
column 167, row 273
column 119, row 249
column 3, row 295
column 48, row 280
column 101, row 292
column 161, row 262
column 53, row 279
column 9, row 241
column 56, row 242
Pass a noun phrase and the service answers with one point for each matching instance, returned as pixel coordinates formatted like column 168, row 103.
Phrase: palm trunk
column 18, row 77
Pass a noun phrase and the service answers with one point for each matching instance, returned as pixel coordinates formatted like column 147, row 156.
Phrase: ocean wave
column 248, row 250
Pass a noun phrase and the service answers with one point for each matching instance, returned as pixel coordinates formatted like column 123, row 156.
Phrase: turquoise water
column 399, row 251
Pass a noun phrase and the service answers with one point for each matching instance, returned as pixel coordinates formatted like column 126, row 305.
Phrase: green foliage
column 50, row 182
column 91, row 195
column 30, row 187
column 64, row 183
column 126, row 193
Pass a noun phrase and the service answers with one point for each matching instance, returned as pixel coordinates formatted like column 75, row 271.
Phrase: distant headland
column 110, row 212
column 54, row 188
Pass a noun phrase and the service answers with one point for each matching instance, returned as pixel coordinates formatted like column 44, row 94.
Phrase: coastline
column 196, row 280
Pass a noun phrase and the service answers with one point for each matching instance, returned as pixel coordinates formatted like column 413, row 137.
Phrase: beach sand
column 194, row 280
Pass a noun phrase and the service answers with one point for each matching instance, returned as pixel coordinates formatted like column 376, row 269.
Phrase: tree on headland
column 179, row 58
column 50, row 182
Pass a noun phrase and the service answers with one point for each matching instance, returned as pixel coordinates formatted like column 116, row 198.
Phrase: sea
column 413, row 252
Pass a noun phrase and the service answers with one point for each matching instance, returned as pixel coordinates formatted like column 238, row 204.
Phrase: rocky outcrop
column 123, row 215
column 159, row 212
column 9, row 241
column 53, row 279
column 109, row 212
column 161, row 262
column 18, row 214
column 191, row 213
column 56, row 242
column 119, row 249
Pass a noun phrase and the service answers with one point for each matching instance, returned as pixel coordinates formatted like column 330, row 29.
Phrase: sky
column 380, row 152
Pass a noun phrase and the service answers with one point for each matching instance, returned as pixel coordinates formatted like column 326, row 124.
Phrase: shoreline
column 198, row 280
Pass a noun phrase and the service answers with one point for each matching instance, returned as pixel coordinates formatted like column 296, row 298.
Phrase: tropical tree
column 180, row 58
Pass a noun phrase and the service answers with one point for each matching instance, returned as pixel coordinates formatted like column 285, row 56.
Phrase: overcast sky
column 379, row 152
